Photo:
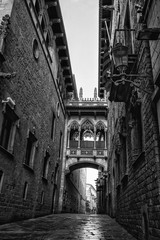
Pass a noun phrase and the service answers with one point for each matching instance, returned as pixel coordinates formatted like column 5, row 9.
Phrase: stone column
column 105, row 130
column 68, row 138
column 79, row 131
column 94, row 137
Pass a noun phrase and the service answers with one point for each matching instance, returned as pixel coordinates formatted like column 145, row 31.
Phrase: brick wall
column 135, row 201
column 36, row 98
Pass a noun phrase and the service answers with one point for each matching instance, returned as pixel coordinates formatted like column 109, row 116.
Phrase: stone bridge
column 81, row 161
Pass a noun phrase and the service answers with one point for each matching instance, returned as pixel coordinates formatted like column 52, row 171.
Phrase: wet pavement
column 65, row 226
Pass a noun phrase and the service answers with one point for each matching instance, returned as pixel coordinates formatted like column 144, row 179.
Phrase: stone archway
column 75, row 163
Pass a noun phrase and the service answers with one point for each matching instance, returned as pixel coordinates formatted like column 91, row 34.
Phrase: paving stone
column 65, row 226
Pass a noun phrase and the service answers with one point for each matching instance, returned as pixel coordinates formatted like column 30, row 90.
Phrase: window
column 53, row 126
column 9, row 123
column 30, row 150
column 42, row 197
column 46, row 165
column 1, row 180
column 60, row 144
column 25, row 190
column 35, row 49
column 58, row 109
column 43, row 25
column 37, row 8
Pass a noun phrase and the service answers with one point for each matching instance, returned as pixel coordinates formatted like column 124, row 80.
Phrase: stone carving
column 3, row 32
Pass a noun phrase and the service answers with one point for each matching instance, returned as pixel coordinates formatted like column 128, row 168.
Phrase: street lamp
column 120, row 57
column 120, row 60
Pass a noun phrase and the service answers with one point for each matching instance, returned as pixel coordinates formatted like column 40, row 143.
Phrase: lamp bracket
column 129, row 75
column 136, row 84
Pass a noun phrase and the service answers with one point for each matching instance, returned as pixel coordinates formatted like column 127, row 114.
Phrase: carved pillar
column 105, row 132
column 68, row 137
column 79, row 135
column 94, row 137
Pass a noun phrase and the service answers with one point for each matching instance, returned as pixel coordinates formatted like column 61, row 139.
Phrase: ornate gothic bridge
column 86, row 134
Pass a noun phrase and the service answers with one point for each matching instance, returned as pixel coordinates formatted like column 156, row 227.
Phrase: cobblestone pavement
column 65, row 226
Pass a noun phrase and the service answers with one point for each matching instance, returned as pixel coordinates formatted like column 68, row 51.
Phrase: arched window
column 37, row 7
column 87, row 135
column 74, row 134
column 100, row 135
column 43, row 25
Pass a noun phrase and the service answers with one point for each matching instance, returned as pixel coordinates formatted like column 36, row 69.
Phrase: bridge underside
column 76, row 163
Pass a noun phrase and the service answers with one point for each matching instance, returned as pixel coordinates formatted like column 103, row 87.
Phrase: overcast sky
column 81, row 25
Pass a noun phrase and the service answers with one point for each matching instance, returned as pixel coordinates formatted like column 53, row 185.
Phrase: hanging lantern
column 120, row 57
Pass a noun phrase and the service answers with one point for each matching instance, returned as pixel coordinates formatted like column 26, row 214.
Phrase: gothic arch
column 50, row 37
column 100, row 133
column 87, row 131
column 100, row 125
column 39, row 4
column 74, row 131
column 74, row 125
column 87, row 122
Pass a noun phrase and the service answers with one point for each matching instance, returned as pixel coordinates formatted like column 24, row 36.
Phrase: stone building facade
column 133, row 178
column 74, row 196
column 91, row 198
column 35, row 82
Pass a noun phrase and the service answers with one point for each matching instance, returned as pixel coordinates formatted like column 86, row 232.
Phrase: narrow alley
column 65, row 226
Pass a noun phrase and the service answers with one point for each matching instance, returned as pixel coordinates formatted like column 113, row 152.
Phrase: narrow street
column 65, row 226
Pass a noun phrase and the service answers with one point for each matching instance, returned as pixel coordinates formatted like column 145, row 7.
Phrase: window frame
column 53, row 126
column 1, row 180
column 46, row 162
column 42, row 198
column 31, row 139
column 9, row 115
column 25, row 191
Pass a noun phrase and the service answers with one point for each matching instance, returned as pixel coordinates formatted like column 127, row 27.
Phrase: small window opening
column 37, row 8
column 42, row 197
column 30, row 150
column 1, row 180
column 25, row 191
column 46, row 165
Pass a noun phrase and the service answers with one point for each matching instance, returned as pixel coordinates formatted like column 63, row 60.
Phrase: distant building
column 91, row 199
column 74, row 198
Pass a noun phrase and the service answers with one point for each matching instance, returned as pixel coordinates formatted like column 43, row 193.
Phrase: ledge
column 28, row 167
column 6, row 152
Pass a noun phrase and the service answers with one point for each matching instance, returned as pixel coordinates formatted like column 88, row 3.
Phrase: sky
column 80, row 19
column 81, row 25
column 92, row 175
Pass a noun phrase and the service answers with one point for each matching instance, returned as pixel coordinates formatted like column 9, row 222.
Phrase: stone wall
column 36, row 98
column 135, row 194
column 75, row 192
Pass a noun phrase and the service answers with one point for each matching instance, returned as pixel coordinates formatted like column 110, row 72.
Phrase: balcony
column 87, row 148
